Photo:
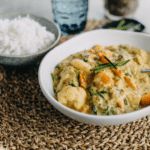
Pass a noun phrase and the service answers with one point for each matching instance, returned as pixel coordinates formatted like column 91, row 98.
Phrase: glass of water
column 70, row 15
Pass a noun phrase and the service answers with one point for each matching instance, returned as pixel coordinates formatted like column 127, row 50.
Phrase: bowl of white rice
column 25, row 39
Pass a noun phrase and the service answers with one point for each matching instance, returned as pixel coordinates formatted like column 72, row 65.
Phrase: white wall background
column 44, row 8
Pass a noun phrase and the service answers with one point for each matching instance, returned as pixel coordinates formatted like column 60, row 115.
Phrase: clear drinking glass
column 118, row 9
column 70, row 15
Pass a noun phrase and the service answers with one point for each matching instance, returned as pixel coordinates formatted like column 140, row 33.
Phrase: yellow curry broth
column 104, row 80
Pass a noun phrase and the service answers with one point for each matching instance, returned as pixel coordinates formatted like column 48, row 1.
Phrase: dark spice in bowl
column 121, row 7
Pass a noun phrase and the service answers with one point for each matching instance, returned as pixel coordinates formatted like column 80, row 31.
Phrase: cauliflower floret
column 144, row 55
column 81, row 65
column 134, row 99
column 104, row 79
column 72, row 96
column 98, row 47
column 67, row 75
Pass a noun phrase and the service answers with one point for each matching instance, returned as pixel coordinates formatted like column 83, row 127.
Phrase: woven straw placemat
column 28, row 121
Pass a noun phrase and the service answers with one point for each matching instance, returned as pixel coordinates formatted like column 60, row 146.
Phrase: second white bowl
column 79, row 43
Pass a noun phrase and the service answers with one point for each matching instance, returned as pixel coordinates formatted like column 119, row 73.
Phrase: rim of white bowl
column 53, row 100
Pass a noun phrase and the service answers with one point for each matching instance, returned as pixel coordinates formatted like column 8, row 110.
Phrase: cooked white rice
column 22, row 36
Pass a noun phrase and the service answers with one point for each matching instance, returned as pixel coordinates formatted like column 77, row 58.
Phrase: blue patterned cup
column 70, row 15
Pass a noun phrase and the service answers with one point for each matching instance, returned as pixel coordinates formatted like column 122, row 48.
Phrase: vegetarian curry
column 104, row 80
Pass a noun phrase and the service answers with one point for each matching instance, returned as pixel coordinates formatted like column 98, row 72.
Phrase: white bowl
column 79, row 43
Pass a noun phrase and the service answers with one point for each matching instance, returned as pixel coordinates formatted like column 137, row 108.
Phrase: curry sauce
column 104, row 80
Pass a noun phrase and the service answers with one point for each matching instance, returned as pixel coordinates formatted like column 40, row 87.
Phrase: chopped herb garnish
column 108, row 65
column 99, row 63
column 149, row 75
column 52, row 76
column 122, row 63
column 107, row 108
column 94, row 108
column 114, row 50
column 57, row 77
column 126, row 101
column 110, row 62
column 88, row 89
column 119, row 91
column 100, row 94
column 92, row 92
column 104, row 92
column 136, row 108
column 97, row 59
column 112, row 110
column 57, row 66
column 124, row 47
column 109, row 111
column 116, row 78
column 120, row 57
column 54, row 89
column 72, row 84
column 77, row 73
column 127, row 74
column 84, row 59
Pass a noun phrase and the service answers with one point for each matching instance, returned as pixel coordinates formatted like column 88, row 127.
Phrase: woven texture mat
column 29, row 122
